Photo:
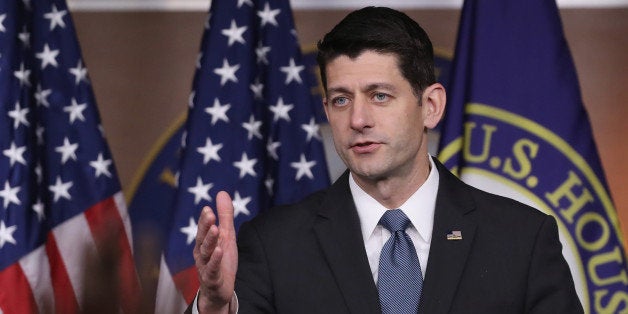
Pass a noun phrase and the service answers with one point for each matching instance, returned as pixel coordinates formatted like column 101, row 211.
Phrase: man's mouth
column 364, row 147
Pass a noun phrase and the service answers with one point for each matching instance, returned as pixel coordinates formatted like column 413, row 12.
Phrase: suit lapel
column 338, row 231
column 447, row 257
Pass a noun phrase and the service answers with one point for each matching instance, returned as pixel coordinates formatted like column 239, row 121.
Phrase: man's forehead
column 369, row 68
column 356, row 56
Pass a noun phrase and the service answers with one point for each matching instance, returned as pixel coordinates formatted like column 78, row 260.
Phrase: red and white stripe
column 52, row 277
column 169, row 298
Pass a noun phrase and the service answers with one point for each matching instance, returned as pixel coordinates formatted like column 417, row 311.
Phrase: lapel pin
column 454, row 235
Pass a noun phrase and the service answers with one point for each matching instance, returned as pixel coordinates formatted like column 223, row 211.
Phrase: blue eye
column 340, row 101
column 380, row 97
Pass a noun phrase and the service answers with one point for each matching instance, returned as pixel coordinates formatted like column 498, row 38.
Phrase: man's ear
column 434, row 99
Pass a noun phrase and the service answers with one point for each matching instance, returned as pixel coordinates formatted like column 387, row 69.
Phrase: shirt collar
column 419, row 207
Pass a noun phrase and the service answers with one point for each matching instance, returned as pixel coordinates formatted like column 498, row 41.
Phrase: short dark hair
column 383, row 30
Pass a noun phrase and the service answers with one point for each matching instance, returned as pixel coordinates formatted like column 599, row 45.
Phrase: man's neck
column 394, row 191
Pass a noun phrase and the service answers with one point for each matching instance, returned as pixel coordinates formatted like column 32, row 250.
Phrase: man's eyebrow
column 376, row 86
column 367, row 88
column 338, row 90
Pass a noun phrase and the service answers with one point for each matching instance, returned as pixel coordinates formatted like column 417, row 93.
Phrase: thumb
column 224, row 208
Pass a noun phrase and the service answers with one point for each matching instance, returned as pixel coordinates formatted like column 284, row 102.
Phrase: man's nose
column 361, row 115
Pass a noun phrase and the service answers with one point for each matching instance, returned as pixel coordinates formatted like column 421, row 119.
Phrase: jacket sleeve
column 253, row 282
column 550, row 285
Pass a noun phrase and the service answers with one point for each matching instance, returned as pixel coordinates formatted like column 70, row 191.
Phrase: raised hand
column 216, row 256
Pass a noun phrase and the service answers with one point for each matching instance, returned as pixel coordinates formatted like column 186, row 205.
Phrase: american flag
column 251, row 130
column 61, row 209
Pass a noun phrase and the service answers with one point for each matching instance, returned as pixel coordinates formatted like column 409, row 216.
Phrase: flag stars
column 23, row 75
column 312, row 129
column 209, row 151
column 258, row 90
column 41, row 96
column 218, row 111
column 39, row 132
column 191, row 99
column 293, row 72
column 25, row 37
column 200, row 191
column 281, row 110
column 67, row 150
column 269, row 182
column 48, row 57
column 56, row 17
column 234, row 33
column 2, row 18
column 190, row 231
column 239, row 205
column 177, row 176
column 75, row 110
column 268, row 16
column 227, row 72
column 262, row 53
column 199, row 58
column 242, row 2
column 19, row 115
column 101, row 166
column 184, row 138
column 6, row 234
column 38, row 208
column 9, row 195
column 15, row 154
column 80, row 72
column 246, row 166
column 39, row 173
column 303, row 167
column 253, row 128
column 61, row 189
column 271, row 148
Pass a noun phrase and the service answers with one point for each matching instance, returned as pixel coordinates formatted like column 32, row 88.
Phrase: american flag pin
column 454, row 235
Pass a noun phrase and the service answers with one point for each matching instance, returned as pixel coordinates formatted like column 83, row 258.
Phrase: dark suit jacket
column 310, row 257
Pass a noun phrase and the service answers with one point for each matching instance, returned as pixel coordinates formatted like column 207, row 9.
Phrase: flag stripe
column 105, row 224
column 169, row 298
column 130, row 281
column 15, row 295
column 65, row 298
column 36, row 268
column 187, row 281
column 76, row 246
column 123, row 213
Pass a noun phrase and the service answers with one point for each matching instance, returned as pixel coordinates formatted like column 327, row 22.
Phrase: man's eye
column 379, row 97
column 340, row 101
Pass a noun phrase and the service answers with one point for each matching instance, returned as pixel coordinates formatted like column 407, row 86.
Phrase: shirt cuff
column 233, row 304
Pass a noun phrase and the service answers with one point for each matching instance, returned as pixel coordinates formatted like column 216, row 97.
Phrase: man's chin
column 368, row 173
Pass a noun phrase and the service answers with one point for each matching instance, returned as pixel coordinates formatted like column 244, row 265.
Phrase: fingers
column 224, row 207
column 214, row 264
column 209, row 233
column 215, row 253
column 205, row 221
column 210, row 275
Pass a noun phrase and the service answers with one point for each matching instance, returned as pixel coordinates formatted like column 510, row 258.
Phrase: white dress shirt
column 419, row 208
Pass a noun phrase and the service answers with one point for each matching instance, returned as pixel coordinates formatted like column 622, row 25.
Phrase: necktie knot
column 394, row 220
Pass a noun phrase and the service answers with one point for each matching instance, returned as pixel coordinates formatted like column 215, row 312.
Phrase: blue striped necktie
column 399, row 281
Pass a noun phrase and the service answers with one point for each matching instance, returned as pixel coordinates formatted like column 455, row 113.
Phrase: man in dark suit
column 460, row 250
